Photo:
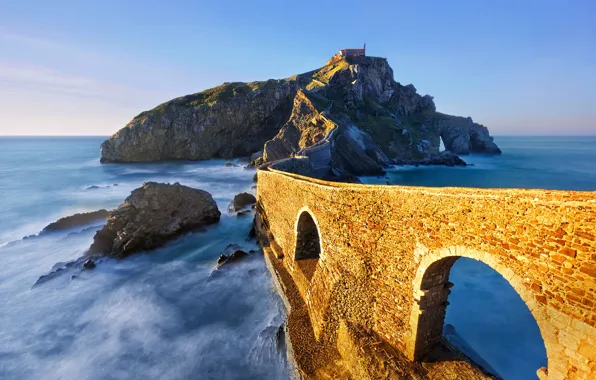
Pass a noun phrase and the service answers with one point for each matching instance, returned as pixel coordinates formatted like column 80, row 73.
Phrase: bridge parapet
column 386, row 251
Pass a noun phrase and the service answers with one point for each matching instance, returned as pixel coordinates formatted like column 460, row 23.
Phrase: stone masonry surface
column 386, row 252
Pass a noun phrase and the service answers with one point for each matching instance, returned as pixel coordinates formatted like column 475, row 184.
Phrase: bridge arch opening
column 308, row 244
column 478, row 310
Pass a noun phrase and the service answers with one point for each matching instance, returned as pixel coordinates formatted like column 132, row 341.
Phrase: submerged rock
column 153, row 214
column 75, row 220
column 65, row 267
column 241, row 201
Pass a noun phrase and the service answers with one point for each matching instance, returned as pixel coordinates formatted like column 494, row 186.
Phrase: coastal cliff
column 352, row 107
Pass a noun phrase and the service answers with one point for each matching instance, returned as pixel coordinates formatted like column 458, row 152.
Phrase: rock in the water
column 445, row 158
column 232, row 258
column 242, row 200
column 256, row 155
column 462, row 136
column 89, row 264
column 76, row 220
column 252, row 233
column 256, row 158
column 153, row 214
column 62, row 268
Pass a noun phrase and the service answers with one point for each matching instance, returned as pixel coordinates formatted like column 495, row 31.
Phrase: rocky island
column 349, row 116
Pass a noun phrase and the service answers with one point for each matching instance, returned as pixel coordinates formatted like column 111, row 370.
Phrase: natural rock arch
column 432, row 289
column 308, row 243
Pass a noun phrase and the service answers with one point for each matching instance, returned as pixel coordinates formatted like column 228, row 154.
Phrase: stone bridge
column 380, row 256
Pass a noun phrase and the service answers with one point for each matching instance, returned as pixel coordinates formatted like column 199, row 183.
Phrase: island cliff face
column 351, row 112
column 234, row 119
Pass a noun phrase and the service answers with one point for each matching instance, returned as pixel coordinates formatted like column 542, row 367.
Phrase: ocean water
column 152, row 316
column 558, row 163
column 164, row 316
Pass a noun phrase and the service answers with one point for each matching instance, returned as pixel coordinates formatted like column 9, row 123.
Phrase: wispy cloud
column 40, row 80
column 52, row 87
column 27, row 42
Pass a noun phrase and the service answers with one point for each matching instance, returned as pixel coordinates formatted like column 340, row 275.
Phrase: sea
column 167, row 315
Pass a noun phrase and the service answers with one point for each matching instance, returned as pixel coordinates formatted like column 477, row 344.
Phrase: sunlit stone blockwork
column 385, row 253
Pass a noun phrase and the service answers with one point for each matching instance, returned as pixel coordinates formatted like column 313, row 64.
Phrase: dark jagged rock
column 241, row 201
column 153, row 214
column 89, row 264
column 232, row 258
column 256, row 159
column 352, row 156
column 75, row 220
column 462, row 136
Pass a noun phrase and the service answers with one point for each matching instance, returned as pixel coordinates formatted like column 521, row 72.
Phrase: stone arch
column 432, row 288
column 308, row 247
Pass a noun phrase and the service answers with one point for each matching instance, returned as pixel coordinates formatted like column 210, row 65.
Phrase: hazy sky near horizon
column 88, row 67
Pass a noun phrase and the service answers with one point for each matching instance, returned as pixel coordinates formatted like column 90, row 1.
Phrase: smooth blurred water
column 151, row 316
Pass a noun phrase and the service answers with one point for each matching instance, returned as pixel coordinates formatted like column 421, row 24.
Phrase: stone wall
column 386, row 251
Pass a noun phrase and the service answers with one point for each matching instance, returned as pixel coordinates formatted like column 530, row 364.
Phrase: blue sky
column 88, row 67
